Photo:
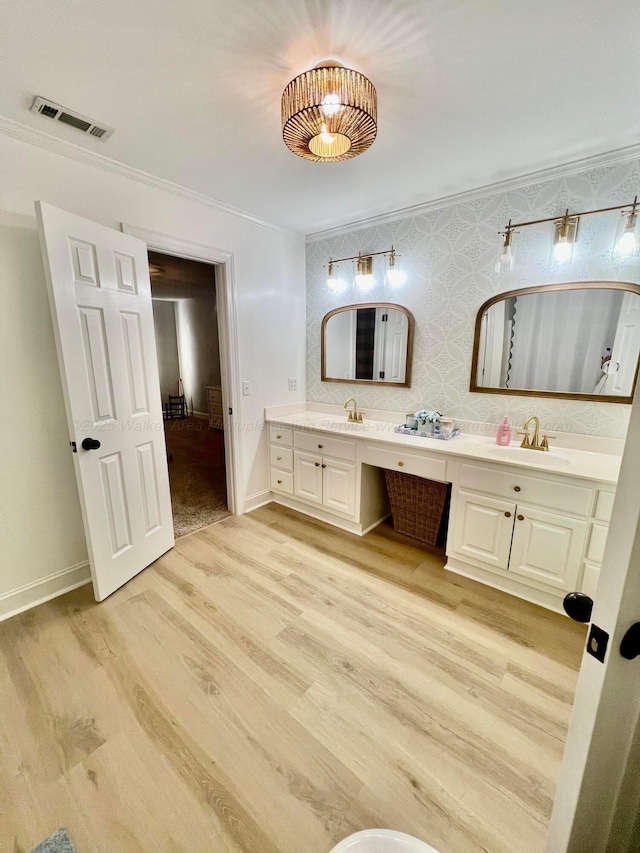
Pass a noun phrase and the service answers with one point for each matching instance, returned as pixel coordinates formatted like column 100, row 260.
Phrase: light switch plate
column 246, row 387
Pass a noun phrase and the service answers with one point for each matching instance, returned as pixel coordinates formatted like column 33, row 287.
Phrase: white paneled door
column 100, row 298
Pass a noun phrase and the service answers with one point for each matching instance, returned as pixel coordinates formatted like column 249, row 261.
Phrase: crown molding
column 30, row 135
column 608, row 158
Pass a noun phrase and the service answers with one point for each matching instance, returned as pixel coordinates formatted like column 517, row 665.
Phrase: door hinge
column 73, row 446
column 230, row 411
column 381, row 374
column 385, row 318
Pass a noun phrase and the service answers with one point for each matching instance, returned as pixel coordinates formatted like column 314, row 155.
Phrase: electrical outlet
column 293, row 384
column 246, row 387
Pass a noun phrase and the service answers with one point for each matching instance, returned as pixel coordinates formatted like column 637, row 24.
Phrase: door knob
column 90, row 444
column 630, row 645
column 578, row 606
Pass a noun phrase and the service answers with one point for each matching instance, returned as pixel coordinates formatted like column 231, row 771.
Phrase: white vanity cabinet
column 511, row 529
column 536, row 530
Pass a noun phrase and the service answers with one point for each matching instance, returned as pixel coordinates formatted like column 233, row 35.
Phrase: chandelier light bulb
column 335, row 284
column 364, row 272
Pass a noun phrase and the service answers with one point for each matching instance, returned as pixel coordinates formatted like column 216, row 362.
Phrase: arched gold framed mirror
column 574, row 340
column 368, row 344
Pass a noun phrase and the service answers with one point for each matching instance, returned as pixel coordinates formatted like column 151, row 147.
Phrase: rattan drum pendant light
column 329, row 113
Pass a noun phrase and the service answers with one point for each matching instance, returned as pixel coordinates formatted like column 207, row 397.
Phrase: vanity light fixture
column 329, row 113
column 364, row 278
column 627, row 242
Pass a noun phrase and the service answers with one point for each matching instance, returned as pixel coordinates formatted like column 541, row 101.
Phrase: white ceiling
column 469, row 91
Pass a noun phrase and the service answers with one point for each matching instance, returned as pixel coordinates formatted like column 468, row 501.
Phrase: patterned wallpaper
column 448, row 255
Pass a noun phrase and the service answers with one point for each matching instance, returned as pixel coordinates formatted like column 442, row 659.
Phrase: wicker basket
column 419, row 507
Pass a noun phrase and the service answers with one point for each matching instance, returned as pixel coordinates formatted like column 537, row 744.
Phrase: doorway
column 185, row 313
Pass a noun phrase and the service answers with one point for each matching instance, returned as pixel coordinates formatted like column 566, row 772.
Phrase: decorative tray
column 435, row 433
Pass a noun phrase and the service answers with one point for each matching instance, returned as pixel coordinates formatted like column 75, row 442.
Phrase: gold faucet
column 533, row 442
column 354, row 415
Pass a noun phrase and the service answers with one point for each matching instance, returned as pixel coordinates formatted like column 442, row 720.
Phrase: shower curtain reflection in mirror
column 579, row 340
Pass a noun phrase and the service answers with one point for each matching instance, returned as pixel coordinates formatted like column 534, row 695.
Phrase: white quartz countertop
column 581, row 464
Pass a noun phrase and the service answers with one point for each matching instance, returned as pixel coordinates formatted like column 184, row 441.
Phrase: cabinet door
column 548, row 548
column 482, row 529
column 339, row 486
column 307, row 476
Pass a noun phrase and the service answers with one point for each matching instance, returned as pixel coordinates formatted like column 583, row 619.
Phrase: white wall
column 164, row 325
column 199, row 350
column 448, row 254
column 41, row 527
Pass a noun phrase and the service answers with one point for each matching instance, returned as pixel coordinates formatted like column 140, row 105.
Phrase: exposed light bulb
column 364, row 281
column 325, row 136
column 395, row 276
column 564, row 240
column 562, row 251
column 334, row 283
column 364, row 275
column 331, row 105
column 506, row 252
column 627, row 243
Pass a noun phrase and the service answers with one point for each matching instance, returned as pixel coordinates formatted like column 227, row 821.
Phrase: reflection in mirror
column 575, row 339
column 367, row 343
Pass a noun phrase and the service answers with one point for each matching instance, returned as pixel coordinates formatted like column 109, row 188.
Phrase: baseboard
column 204, row 415
column 252, row 502
column 44, row 589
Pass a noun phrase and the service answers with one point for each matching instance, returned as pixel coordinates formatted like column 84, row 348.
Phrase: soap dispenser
column 503, row 436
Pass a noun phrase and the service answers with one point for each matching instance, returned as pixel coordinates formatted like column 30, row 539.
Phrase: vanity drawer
column 604, row 505
column 281, row 481
column 422, row 465
column 281, row 457
column 597, row 542
column 339, row 448
column 281, row 435
column 215, row 395
column 551, row 494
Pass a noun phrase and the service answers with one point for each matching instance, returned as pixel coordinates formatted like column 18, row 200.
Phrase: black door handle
column 90, row 444
column 630, row 645
column 578, row 606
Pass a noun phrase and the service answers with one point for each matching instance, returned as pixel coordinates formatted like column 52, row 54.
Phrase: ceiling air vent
column 62, row 114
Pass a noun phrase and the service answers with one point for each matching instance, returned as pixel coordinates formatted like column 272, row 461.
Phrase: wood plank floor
column 273, row 684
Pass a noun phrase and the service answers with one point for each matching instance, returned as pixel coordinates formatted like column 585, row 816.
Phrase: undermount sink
column 340, row 426
column 548, row 459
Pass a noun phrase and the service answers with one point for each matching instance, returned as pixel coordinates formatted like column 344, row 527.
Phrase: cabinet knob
column 517, row 489
column 520, row 517
column 317, row 464
column 279, row 482
column 320, row 446
column 507, row 515
column 278, row 436
column 401, row 463
column 324, row 466
column 278, row 458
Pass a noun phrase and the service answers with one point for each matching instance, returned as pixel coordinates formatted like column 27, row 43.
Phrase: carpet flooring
column 197, row 474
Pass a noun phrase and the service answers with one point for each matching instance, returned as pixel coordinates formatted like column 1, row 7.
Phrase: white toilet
column 382, row 841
